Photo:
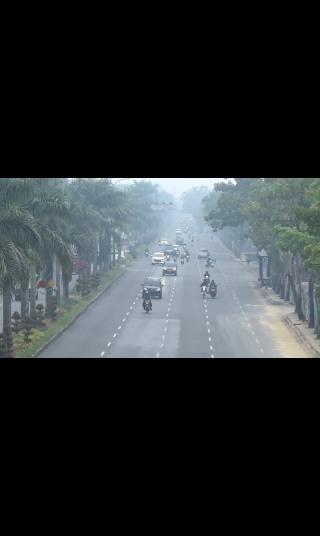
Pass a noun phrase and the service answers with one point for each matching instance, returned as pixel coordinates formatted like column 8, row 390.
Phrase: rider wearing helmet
column 147, row 297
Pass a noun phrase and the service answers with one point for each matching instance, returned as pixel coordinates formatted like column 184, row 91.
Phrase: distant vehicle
column 154, row 286
column 168, row 252
column 177, row 250
column 170, row 268
column 158, row 258
column 163, row 242
column 123, row 258
column 203, row 253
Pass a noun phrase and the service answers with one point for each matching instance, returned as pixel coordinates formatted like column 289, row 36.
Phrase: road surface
column 238, row 323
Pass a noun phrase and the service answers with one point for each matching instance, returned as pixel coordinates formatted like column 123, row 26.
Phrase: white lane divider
column 119, row 327
column 130, row 307
column 114, row 335
column 102, row 354
column 128, row 313
column 124, row 319
column 158, row 354
column 109, row 344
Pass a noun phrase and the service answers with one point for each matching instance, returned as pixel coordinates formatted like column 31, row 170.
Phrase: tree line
column 53, row 223
column 282, row 217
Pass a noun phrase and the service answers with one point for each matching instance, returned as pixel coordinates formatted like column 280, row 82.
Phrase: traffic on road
column 188, row 297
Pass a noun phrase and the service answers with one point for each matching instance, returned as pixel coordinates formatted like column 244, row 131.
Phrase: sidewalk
column 299, row 329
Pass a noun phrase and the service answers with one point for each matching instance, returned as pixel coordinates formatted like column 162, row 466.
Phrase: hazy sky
column 177, row 186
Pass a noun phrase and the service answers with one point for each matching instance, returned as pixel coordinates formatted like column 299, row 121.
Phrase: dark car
column 170, row 268
column 169, row 252
column 154, row 286
column 203, row 253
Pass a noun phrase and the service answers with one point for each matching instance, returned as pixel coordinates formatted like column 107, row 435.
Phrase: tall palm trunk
column 24, row 304
column 58, row 281
column 48, row 276
column 65, row 282
column 33, row 291
column 7, row 329
column 95, row 256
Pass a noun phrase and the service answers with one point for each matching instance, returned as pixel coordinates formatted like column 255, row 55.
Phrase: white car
column 158, row 258
column 163, row 242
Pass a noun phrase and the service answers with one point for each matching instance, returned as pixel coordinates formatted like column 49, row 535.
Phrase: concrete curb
column 78, row 315
column 267, row 297
column 300, row 336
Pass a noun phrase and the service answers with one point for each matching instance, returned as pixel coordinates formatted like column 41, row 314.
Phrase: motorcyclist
column 207, row 276
column 204, row 284
column 213, row 287
column 147, row 297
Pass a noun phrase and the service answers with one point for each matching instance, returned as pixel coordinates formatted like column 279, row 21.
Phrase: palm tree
column 18, row 233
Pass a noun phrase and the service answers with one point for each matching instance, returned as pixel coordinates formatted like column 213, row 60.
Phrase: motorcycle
column 213, row 291
column 204, row 291
column 147, row 306
column 182, row 260
column 188, row 258
column 146, row 253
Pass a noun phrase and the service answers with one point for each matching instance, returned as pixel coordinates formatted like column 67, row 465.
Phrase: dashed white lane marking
column 158, row 354
column 257, row 341
column 208, row 323
column 102, row 354
column 161, row 345
column 130, row 307
column 211, row 348
column 167, row 314
column 124, row 319
column 167, row 321
column 207, row 317
column 128, row 313
column 119, row 328
column 209, row 339
column 212, row 355
column 109, row 344
column 114, row 335
column 165, row 328
column 261, row 350
column 163, row 336
column 208, row 330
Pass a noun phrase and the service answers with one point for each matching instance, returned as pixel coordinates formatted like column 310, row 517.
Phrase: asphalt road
column 238, row 323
